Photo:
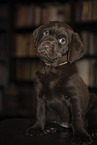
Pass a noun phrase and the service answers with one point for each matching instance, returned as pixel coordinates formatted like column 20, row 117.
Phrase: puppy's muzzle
column 48, row 49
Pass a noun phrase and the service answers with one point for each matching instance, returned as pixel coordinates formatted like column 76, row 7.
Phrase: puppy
column 62, row 96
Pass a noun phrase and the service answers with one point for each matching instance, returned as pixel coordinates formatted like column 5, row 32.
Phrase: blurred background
column 18, row 60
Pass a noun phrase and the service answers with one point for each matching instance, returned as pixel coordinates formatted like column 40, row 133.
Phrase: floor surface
column 13, row 132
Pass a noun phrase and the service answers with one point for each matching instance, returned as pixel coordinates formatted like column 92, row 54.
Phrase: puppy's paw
column 38, row 132
column 93, row 131
column 34, row 132
column 81, row 139
column 50, row 130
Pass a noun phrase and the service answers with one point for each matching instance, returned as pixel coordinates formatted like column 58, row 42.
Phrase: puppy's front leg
column 80, row 135
column 38, row 127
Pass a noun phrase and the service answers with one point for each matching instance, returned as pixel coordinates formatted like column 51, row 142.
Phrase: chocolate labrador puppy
column 62, row 96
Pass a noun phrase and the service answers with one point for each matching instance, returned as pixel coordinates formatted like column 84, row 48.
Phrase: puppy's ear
column 35, row 35
column 77, row 49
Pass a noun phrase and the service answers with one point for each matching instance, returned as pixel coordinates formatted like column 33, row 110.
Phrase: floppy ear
column 77, row 49
column 35, row 35
column 34, row 41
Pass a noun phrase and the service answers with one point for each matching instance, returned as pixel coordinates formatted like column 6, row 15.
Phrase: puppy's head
column 56, row 43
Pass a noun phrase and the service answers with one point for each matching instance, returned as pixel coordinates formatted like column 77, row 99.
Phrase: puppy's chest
column 52, row 87
column 49, row 81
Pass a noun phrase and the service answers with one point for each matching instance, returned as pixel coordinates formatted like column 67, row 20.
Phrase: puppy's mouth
column 47, row 59
column 48, row 52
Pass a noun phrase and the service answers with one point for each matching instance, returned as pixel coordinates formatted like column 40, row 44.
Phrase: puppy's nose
column 46, row 47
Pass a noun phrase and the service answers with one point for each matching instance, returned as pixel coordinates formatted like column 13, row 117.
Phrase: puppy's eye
column 62, row 41
column 45, row 33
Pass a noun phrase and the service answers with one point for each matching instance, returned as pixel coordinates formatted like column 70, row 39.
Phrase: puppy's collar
column 59, row 64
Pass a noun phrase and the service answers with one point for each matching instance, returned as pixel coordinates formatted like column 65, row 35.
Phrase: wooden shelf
column 93, row 90
column 23, row 82
column 89, row 26
column 25, row 29
column 89, row 56
column 25, row 58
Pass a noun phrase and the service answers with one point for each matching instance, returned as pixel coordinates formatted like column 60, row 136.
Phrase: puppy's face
column 54, row 42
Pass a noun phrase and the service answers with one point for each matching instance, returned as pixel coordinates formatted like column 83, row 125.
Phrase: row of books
column 34, row 15
column 24, row 46
column 25, row 70
column 86, row 11
column 90, row 42
column 88, row 71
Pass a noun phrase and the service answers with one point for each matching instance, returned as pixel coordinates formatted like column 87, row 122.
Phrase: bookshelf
column 85, row 22
column 21, row 61
column 4, row 54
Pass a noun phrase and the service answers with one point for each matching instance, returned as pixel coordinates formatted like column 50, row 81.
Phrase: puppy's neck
column 63, row 63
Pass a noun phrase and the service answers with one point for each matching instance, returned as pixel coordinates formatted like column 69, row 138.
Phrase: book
column 67, row 14
column 88, row 71
column 21, row 16
column 52, row 13
column 44, row 14
column 84, row 70
column 94, row 10
column 37, row 20
column 86, row 14
column 31, row 15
